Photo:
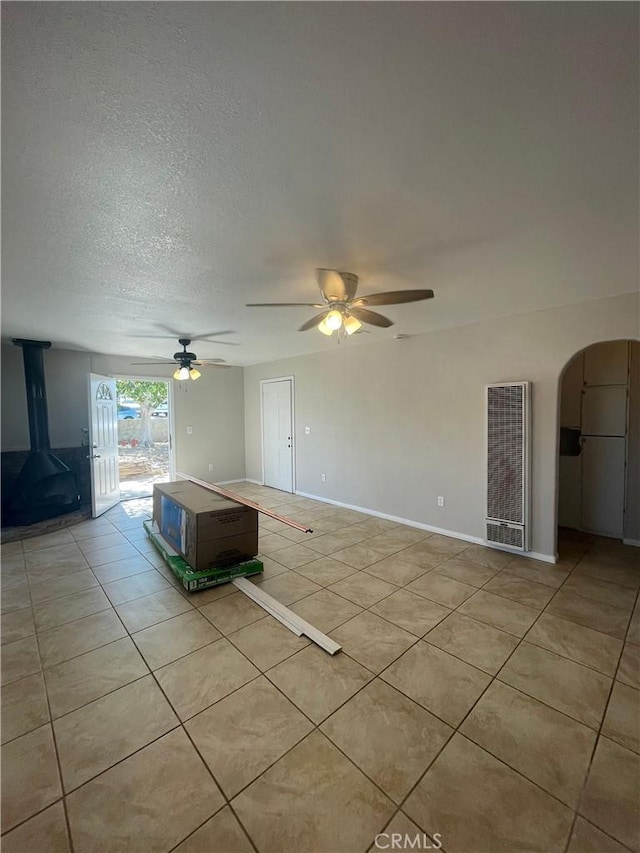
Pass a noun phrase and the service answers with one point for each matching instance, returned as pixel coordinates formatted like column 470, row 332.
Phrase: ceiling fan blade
column 370, row 317
column 205, row 335
column 282, row 305
column 177, row 335
column 157, row 337
column 222, row 343
column 313, row 322
column 157, row 363
column 337, row 286
column 209, row 364
column 394, row 297
column 209, row 361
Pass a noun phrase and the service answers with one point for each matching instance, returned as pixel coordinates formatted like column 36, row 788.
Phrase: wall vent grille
column 508, row 436
column 506, row 534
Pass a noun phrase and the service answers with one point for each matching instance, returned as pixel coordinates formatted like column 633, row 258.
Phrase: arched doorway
column 599, row 443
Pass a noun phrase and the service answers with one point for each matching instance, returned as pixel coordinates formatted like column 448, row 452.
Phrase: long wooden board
column 226, row 493
column 255, row 595
column 288, row 616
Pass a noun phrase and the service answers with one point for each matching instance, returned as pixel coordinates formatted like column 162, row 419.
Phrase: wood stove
column 45, row 487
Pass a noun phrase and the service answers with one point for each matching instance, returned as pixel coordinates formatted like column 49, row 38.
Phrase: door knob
column 96, row 456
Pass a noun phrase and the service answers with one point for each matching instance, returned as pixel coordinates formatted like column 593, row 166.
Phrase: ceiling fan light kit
column 351, row 324
column 184, row 359
column 181, row 372
column 324, row 328
column 333, row 320
column 342, row 311
column 186, row 362
column 337, row 320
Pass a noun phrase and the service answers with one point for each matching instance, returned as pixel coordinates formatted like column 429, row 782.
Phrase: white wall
column 397, row 423
column 213, row 406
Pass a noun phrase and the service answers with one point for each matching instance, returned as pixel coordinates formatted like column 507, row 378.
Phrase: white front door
column 277, row 433
column 103, row 443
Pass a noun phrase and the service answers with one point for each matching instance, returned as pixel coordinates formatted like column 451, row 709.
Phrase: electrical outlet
column 323, row 477
column 440, row 500
column 211, row 466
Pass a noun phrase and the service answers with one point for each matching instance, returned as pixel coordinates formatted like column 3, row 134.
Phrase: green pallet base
column 192, row 580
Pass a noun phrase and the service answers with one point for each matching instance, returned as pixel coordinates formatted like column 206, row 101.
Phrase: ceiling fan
column 341, row 308
column 185, row 362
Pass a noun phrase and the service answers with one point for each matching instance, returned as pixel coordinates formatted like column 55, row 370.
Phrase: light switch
column 189, row 430
column 307, row 430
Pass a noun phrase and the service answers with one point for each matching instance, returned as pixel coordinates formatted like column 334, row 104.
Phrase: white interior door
column 277, row 433
column 603, row 461
column 103, row 443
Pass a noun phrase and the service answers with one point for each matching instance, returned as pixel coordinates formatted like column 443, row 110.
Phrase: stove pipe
column 36, row 392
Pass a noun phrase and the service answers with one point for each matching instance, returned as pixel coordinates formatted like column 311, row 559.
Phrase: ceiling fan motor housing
column 184, row 357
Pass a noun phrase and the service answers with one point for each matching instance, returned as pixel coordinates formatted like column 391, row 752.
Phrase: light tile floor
column 489, row 701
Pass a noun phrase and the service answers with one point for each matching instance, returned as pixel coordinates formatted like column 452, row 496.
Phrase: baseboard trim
column 454, row 534
column 530, row 555
column 249, row 480
column 635, row 543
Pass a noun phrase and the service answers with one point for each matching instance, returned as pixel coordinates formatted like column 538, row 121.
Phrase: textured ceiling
column 165, row 163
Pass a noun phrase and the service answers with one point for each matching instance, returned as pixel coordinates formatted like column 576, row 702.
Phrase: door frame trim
column 264, row 382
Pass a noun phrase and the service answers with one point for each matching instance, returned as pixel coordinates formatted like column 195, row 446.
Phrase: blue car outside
column 127, row 413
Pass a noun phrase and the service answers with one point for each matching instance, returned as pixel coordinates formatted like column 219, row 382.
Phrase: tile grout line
column 199, row 754
column 57, row 753
column 456, row 729
column 575, row 809
column 375, row 675
column 317, row 726
column 179, row 725
column 187, row 734
column 494, row 678
column 599, row 734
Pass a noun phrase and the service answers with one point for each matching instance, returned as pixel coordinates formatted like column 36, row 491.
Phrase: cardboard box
column 206, row 529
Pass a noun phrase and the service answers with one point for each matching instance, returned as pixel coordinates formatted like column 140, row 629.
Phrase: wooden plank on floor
column 250, row 592
column 242, row 500
column 285, row 615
